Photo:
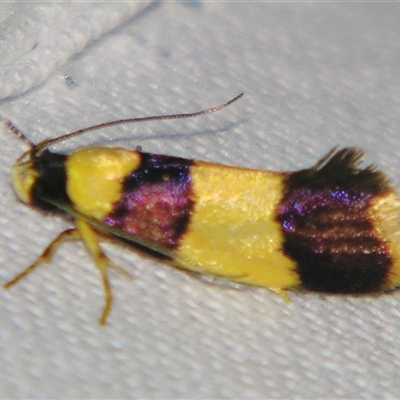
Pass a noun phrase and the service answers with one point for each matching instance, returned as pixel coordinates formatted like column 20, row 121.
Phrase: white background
column 315, row 75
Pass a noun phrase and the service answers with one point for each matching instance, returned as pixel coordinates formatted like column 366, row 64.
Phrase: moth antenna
column 51, row 141
column 19, row 134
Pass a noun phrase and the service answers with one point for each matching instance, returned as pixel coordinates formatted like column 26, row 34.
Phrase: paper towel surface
column 315, row 75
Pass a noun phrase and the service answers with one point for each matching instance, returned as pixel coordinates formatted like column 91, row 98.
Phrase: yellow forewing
column 233, row 232
column 95, row 177
column 384, row 212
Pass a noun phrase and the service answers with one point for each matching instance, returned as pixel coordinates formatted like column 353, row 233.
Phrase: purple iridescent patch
column 156, row 202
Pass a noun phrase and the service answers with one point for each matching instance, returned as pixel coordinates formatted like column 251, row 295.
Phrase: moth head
column 24, row 176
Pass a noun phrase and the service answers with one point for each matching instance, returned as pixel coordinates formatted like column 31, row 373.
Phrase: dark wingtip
column 342, row 167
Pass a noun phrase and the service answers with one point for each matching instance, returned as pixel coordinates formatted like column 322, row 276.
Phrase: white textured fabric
column 315, row 75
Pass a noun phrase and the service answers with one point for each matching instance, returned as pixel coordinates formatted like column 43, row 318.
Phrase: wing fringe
column 341, row 168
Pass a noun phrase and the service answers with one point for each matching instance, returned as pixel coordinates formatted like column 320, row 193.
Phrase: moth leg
column 283, row 293
column 120, row 270
column 46, row 255
column 89, row 237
